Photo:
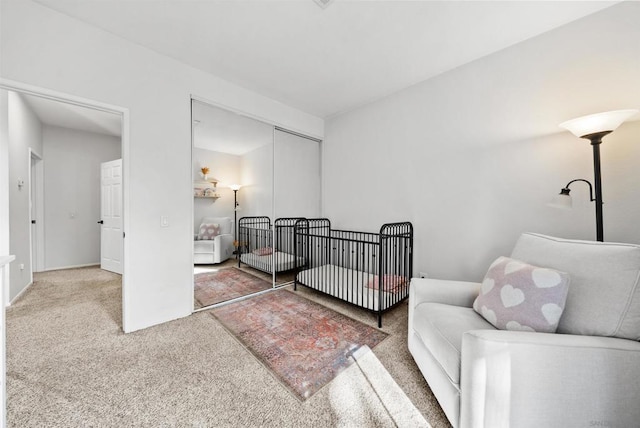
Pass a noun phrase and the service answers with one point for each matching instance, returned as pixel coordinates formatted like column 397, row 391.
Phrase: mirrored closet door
column 252, row 183
column 296, row 195
column 232, row 158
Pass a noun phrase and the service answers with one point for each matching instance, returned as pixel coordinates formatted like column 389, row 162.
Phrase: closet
column 276, row 174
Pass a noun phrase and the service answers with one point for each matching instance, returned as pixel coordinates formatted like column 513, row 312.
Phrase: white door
column 111, row 237
column 33, row 215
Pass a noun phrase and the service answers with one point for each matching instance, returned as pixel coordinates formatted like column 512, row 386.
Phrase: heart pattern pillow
column 518, row 296
column 208, row 231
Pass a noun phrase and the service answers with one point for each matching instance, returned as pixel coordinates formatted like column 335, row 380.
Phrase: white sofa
column 585, row 375
column 218, row 249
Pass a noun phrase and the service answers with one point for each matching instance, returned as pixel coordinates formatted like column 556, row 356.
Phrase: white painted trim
column 26, row 88
column 241, row 298
column 273, row 202
column 193, row 211
column 254, row 116
column 9, row 303
column 4, row 261
column 125, row 156
column 72, row 266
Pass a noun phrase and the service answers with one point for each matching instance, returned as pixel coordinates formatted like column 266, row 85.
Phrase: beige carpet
column 70, row 365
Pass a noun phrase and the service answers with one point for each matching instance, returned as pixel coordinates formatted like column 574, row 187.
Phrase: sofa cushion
column 518, row 296
column 604, row 296
column 440, row 328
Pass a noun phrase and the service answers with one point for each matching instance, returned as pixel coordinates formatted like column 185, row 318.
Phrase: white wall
column 72, row 161
column 4, row 184
column 472, row 156
column 297, row 176
column 256, row 195
column 224, row 167
column 44, row 48
column 25, row 132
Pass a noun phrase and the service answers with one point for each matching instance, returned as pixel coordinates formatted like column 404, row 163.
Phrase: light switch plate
column 164, row 221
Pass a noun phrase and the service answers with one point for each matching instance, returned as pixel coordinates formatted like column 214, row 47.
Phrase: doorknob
column 101, row 222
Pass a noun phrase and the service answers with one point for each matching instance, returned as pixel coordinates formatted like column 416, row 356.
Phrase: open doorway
column 59, row 144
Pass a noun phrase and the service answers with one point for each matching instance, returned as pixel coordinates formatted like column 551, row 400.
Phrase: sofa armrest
column 529, row 379
column 456, row 293
column 222, row 247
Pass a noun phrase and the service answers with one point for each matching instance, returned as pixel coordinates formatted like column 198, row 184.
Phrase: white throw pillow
column 518, row 296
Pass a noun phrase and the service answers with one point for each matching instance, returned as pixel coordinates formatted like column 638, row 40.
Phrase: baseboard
column 71, row 267
column 19, row 294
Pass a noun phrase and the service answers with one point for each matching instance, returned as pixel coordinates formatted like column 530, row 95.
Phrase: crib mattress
column 283, row 261
column 345, row 284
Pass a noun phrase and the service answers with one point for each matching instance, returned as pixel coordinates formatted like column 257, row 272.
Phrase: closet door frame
column 275, row 127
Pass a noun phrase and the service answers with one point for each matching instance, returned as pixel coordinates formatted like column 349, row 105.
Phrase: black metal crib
column 369, row 270
column 266, row 247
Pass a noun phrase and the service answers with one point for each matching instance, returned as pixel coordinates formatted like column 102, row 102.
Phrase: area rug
column 304, row 344
column 226, row 284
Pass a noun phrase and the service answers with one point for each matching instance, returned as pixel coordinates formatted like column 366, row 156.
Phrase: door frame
column 25, row 88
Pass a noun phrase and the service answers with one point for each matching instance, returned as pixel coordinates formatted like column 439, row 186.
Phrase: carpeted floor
column 70, row 365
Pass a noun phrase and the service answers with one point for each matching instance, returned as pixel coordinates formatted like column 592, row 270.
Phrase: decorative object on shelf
column 235, row 188
column 205, row 189
column 211, row 193
column 205, row 172
column 593, row 128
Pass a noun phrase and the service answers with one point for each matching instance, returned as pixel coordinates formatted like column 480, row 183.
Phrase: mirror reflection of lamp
column 593, row 127
column 236, row 205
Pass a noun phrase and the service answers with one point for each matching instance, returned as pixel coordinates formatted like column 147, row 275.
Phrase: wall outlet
column 424, row 275
column 21, row 266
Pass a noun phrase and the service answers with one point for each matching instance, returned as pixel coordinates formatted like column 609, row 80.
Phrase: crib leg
column 295, row 285
column 379, row 319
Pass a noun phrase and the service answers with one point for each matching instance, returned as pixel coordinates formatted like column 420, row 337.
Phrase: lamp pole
column 596, row 140
column 236, row 244
column 235, row 215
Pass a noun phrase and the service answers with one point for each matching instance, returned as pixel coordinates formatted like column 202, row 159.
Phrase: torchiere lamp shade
column 598, row 122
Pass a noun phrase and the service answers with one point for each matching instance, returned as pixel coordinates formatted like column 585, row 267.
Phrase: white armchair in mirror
column 214, row 241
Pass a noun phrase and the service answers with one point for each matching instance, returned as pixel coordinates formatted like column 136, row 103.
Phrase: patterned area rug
column 304, row 343
column 226, row 284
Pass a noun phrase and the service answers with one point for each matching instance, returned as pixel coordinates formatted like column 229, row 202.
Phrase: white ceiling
column 326, row 61
column 56, row 113
column 223, row 131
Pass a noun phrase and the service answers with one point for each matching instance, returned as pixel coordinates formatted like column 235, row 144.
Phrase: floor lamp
column 593, row 128
column 235, row 188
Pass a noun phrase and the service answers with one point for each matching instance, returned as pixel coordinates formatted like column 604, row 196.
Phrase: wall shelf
column 206, row 189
